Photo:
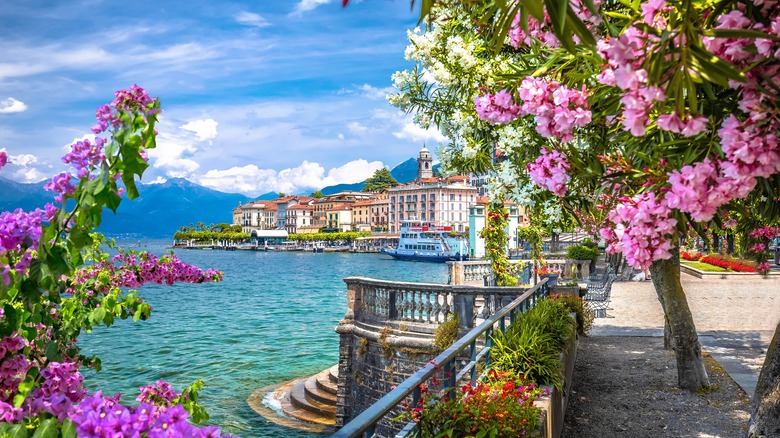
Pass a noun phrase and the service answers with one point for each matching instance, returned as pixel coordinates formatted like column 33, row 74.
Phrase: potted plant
column 551, row 274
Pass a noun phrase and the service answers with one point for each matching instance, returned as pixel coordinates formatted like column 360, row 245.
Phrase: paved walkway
column 735, row 318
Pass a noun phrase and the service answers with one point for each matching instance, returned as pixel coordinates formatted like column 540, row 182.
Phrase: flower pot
column 553, row 279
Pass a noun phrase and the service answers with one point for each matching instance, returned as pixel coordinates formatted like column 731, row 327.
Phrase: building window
column 460, row 197
column 433, row 216
column 422, row 216
column 452, row 196
column 433, row 197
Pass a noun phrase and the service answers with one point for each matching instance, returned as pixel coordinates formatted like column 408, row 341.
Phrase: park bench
column 598, row 294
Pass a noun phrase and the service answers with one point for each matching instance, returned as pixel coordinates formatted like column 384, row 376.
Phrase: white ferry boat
column 423, row 241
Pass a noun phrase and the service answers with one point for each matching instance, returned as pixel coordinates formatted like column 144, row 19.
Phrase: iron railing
column 478, row 341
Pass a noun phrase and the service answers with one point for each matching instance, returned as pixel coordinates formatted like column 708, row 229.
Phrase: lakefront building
column 442, row 201
column 257, row 215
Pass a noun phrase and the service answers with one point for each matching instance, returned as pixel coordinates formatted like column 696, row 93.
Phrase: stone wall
column 373, row 359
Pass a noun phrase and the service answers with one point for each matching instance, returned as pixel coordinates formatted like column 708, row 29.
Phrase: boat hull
column 422, row 257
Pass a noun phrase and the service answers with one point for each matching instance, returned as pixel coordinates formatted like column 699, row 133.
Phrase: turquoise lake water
column 272, row 319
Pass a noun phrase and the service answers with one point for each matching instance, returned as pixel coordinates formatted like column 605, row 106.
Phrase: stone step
column 334, row 374
column 326, row 384
column 299, row 399
column 303, row 413
column 313, row 392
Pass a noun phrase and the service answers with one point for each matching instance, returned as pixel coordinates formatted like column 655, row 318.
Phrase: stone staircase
column 312, row 399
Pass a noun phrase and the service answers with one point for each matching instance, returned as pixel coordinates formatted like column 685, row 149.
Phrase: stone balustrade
column 474, row 271
column 390, row 328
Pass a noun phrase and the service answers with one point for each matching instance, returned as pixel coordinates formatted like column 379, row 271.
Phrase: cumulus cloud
column 252, row 19
column 172, row 155
column 410, row 131
column 356, row 128
column 205, row 129
column 308, row 5
column 12, row 105
column 375, row 92
column 253, row 181
column 25, row 168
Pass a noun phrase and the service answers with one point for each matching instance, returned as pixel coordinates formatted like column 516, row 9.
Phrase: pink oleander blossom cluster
column 751, row 148
column 85, row 156
column 700, row 189
column 558, row 108
column 98, row 416
column 536, row 31
column 497, row 108
column 758, row 247
column 652, row 13
column 765, row 233
column 689, row 126
column 643, row 230
column 550, row 171
column 3, row 159
column 764, row 267
column 624, row 55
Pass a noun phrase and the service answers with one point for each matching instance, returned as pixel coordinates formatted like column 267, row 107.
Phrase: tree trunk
column 730, row 242
column 691, row 374
column 765, row 414
column 715, row 243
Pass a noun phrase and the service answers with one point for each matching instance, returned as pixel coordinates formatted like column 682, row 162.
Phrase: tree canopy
column 379, row 181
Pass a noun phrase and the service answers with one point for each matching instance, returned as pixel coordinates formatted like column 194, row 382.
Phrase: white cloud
column 23, row 160
column 356, row 128
column 12, row 105
column 172, row 154
column 24, row 168
column 254, row 181
column 205, row 129
column 252, row 19
column 410, row 131
column 375, row 92
column 308, row 5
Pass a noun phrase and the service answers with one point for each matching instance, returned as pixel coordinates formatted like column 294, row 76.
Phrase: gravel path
column 625, row 387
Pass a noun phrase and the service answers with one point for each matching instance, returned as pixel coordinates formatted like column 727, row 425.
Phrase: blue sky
column 284, row 95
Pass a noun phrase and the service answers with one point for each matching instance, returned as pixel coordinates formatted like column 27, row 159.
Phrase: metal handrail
column 364, row 424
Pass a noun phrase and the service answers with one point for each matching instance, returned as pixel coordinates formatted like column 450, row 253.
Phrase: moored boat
column 423, row 241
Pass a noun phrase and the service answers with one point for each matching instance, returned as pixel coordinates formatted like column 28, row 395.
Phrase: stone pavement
column 735, row 318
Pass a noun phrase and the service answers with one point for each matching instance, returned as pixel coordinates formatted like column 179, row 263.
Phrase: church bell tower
column 424, row 164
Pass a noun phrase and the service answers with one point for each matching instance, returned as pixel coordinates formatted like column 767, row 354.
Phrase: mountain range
column 161, row 209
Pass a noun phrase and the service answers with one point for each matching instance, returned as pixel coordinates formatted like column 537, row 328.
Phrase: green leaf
column 715, row 67
column 738, row 33
column 17, row 431
column 47, row 429
column 96, row 316
column 68, row 429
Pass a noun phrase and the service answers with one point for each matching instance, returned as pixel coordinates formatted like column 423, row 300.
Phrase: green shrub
column 532, row 345
column 582, row 252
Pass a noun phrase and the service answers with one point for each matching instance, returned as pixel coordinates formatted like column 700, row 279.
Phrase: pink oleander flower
column 3, row 159
column 763, row 267
column 642, row 230
column 549, row 171
column 688, row 127
column 497, row 108
column 758, row 247
column 556, row 107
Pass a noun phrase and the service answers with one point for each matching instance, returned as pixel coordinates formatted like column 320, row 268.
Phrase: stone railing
column 474, row 271
column 390, row 330
column 380, row 301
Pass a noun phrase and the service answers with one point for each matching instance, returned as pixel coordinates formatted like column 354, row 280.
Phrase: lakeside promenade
column 735, row 318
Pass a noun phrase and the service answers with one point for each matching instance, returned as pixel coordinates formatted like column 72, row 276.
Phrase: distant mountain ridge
column 161, row 209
